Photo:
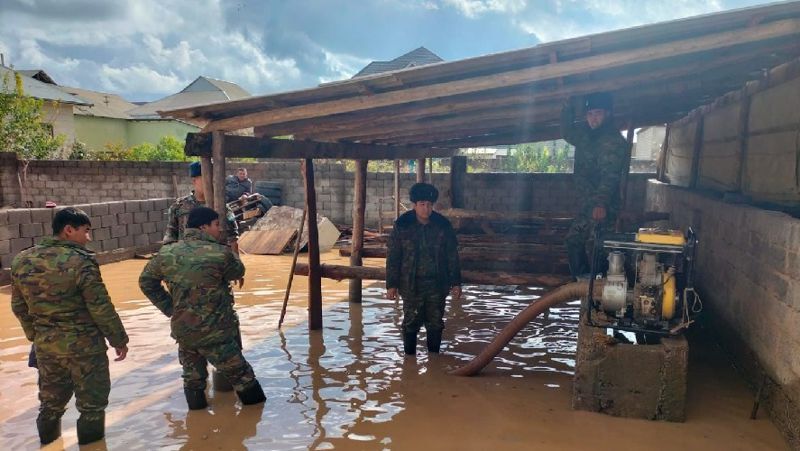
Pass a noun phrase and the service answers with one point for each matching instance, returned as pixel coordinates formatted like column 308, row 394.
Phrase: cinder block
column 116, row 207
column 132, row 206
column 125, row 218
column 604, row 383
column 42, row 215
column 19, row 216
column 156, row 216
column 141, row 240
column 149, row 227
column 125, row 241
column 5, row 247
column 18, row 244
column 101, row 234
column 134, row 229
column 99, row 209
column 108, row 221
column 31, row 230
column 140, row 217
column 10, row 231
column 118, row 231
column 110, row 244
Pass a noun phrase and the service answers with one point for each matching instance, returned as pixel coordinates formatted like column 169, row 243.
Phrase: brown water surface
column 349, row 386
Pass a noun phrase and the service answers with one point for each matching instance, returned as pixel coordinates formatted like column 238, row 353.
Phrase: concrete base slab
column 627, row 380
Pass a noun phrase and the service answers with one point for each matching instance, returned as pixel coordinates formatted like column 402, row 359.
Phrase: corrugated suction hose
column 564, row 293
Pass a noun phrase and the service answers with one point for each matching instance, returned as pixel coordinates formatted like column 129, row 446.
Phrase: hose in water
column 564, row 293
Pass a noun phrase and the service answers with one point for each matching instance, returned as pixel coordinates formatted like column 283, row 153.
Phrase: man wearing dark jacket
column 422, row 266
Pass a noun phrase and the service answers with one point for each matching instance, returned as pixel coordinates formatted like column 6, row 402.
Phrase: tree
column 539, row 157
column 22, row 128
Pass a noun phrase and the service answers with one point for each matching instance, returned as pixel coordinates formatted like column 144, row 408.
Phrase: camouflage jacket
column 197, row 271
column 599, row 160
column 60, row 299
column 405, row 251
column 179, row 212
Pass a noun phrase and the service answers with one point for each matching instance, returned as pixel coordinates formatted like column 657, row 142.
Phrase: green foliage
column 539, row 157
column 78, row 151
column 22, row 128
column 169, row 148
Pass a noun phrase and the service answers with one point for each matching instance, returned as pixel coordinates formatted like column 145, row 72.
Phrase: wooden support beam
column 359, row 208
column 218, row 157
column 199, row 144
column 458, row 176
column 623, row 184
column 420, row 170
column 694, row 45
column 744, row 126
column 313, row 269
column 339, row 272
column 207, row 172
column 396, row 189
column 698, row 147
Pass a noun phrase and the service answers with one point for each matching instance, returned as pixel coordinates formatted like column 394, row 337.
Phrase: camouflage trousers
column 61, row 376
column 424, row 307
column 579, row 237
column 226, row 357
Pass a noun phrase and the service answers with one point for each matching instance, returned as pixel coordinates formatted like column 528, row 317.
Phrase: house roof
column 103, row 104
column 201, row 91
column 38, row 74
column 657, row 74
column 417, row 57
column 39, row 90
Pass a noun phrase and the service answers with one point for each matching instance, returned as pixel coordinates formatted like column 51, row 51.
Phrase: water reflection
column 322, row 387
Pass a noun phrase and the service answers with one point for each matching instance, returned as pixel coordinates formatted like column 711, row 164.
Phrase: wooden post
column 396, row 189
column 623, row 184
column 218, row 169
column 698, row 148
column 420, row 170
column 359, row 207
column 207, row 171
column 314, row 272
column 744, row 119
column 458, row 172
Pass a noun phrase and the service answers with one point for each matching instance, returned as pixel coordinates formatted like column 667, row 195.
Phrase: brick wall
column 81, row 182
column 748, row 277
column 117, row 227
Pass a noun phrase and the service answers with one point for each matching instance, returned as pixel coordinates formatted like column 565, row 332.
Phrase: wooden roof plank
column 561, row 69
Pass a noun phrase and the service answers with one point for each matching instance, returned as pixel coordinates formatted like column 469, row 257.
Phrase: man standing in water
column 600, row 152
column 179, row 211
column 423, row 266
column 198, row 271
column 60, row 299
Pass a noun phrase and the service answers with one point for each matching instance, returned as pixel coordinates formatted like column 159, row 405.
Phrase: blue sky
column 146, row 49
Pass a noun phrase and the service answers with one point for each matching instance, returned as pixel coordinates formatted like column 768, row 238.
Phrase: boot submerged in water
column 49, row 429
column 252, row 394
column 91, row 428
column 410, row 343
column 196, row 399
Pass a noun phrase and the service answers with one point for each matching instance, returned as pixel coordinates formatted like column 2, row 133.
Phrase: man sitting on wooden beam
column 423, row 266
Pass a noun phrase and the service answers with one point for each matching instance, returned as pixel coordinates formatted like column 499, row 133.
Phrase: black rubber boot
column 434, row 339
column 253, row 394
column 49, row 430
column 91, row 430
column 410, row 343
column 196, row 399
column 219, row 382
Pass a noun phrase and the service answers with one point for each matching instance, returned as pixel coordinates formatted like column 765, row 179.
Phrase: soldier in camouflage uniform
column 64, row 308
column 423, row 267
column 600, row 160
column 198, row 271
column 179, row 212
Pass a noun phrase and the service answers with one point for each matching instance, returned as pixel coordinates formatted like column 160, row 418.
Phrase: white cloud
column 139, row 78
column 475, row 8
column 341, row 66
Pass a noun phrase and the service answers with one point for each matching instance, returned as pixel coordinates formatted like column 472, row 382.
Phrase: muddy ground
column 349, row 386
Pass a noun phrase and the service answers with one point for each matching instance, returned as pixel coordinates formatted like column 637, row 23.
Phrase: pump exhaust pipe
column 564, row 293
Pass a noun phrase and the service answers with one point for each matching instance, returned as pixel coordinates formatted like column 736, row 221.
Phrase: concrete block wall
column 748, row 274
column 116, row 226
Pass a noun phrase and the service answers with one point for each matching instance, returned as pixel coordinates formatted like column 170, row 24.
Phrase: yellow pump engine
column 648, row 285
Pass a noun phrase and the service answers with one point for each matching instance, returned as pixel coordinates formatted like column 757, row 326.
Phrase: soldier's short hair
column 200, row 216
column 72, row 216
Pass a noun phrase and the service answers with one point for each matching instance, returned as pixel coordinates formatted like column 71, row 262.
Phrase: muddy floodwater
column 349, row 386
